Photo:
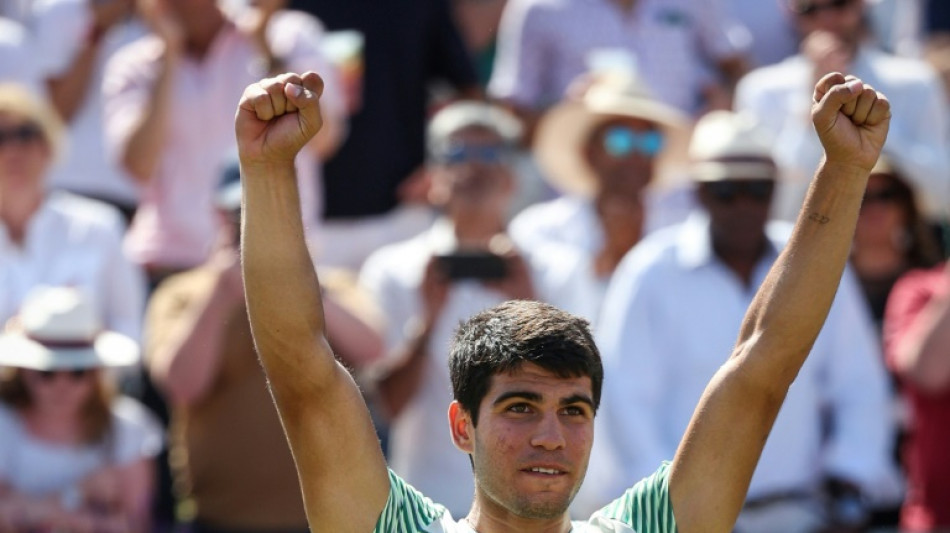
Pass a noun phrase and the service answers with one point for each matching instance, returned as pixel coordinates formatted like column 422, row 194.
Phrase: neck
column 876, row 262
column 626, row 5
column 741, row 262
column 202, row 33
column 56, row 426
column 16, row 211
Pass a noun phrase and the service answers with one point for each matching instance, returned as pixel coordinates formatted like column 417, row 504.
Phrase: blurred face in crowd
column 738, row 211
column 25, row 154
column 531, row 446
column 884, row 213
column 471, row 174
column 61, row 392
column 621, row 152
column 841, row 18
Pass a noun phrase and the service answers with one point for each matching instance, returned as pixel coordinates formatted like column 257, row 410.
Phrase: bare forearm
column 68, row 91
column 789, row 310
column 924, row 356
column 189, row 368
column 147, row 140
column 281, row 286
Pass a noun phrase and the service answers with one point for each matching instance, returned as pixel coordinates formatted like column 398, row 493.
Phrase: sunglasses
column 75, row 374
column 20, row 135
column 810, row 9
column 489, row 154
column 727, row 191
column 889, row 195
column 621, row 141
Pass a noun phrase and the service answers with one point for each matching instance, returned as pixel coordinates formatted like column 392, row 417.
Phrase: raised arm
column 340, row 464
column 715, row 461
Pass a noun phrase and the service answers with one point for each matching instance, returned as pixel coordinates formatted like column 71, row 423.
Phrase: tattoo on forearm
column 819, row 218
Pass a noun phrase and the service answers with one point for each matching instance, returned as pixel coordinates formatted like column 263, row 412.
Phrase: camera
column 476, row 265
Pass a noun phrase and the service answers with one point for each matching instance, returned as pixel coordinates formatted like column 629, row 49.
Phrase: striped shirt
column 644, row 508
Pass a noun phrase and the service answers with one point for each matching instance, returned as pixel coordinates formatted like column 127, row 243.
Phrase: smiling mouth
column 545, row 471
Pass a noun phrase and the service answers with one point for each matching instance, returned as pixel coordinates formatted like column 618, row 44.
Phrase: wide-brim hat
column 58, row 329
column 730, row 146
column 564, row 130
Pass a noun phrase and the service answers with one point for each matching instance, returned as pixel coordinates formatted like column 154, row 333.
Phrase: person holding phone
column 462, row 264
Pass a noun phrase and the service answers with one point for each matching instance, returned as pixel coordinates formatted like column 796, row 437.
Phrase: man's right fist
column 851, row 119
column 277, row 117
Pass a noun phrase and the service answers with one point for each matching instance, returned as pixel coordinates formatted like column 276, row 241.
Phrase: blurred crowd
column 635, row 162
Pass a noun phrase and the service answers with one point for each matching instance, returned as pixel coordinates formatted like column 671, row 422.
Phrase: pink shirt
column 175, row 225
column 543, row 45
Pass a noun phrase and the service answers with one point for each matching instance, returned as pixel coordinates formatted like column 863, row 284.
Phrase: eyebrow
column 535, row 397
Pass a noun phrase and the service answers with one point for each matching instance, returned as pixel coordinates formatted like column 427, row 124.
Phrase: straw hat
column 728, row 145
column 564, row 130
column 60, row 330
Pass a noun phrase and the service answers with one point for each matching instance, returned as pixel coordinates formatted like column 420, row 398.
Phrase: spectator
column 201, row 354
column 891, row 237
column 834, row 40
column 375, row 185
column 601, row 151
column 671, row 307
column 771, row 26
column 543, row 45
column 463, row 264
column 56, row 239
column 917, row 335
column 18, row 62
column 478, row 24
column 73, row 456
column 169, row 111
column 76, row 38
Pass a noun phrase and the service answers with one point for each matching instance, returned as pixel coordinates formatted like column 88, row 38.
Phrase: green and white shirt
column 645, row 508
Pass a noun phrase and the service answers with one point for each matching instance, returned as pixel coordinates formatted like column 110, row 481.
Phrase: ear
column 463, row 431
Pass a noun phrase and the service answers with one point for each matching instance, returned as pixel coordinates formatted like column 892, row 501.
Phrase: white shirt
column 74, row 242
column 61, row 27
column 18, row 61
column 175, row 225
column 38, row 468
column 781, row 96
column 670, row 321
column 421, row 449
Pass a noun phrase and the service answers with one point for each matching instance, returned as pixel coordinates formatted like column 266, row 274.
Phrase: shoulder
column 397, row 259
column 408, row 510
column 901, row 70
column 779, row 77
column 139, row 57
column 657, row 251
column 90, row 215
column 645, row 507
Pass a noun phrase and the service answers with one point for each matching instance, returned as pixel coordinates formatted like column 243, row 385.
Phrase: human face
column 532, row 443
column 882, row 216
column 738, row 211
column 24, row 154
column 839, row 17
column 472, row 174
column 60, row 392
column 621, row 152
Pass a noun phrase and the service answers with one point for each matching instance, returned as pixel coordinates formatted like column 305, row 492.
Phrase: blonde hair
column 16, row 100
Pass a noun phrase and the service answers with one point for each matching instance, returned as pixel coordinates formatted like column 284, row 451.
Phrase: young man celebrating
column 526, row 377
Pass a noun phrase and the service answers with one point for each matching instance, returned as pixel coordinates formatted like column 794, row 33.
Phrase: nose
column 549, row 433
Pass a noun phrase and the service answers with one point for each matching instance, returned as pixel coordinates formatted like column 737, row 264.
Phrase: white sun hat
column 58, row 329
column 728, row 145
column 563, row 131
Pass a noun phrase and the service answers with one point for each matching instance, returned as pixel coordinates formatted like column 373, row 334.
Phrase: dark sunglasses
column 727, row 191
column 23, row 134
column 621, row 141
column 888, row 195
column 810, row 9
column 489, row 154
column 76, row 374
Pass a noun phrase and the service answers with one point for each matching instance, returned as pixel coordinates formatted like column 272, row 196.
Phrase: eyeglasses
column 20, row 135
column 75, row 374
column 889, row 195
column 621, row 141
column 728, row 190
column 489, row 154
column 810, row 9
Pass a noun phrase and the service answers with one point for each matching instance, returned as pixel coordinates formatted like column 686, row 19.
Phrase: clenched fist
column 277, row 117
column 851, row 119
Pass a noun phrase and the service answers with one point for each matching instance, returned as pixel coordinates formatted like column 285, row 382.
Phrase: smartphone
column 477, row 265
